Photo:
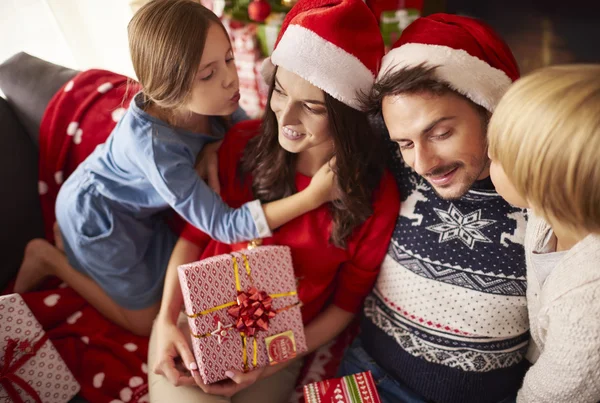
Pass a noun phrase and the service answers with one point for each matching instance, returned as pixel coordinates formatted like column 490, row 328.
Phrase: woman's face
column 301, row 114
column 215, row 91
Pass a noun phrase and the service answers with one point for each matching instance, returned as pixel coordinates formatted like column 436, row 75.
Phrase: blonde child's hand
column 323, row 186
column 207, row 165
column 174, row 358
column 237, row 382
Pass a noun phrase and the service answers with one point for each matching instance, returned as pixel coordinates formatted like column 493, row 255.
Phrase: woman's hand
column 237, row 382
column 207, row 165
column 172, row 347
column 322, row 185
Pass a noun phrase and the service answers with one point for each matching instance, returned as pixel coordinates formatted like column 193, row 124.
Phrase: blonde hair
column 545, row 133
column 166, row 41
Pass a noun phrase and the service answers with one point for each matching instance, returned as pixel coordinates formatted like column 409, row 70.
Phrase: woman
column 336, row 249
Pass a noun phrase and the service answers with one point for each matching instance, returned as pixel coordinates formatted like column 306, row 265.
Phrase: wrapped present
column 248, row 59
column 31, row 370
column 268, row 32
column 357, row 388
column 393, row 22
column 243, row 310
column 379, row 6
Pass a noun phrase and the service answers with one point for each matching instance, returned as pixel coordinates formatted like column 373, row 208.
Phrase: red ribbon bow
column 252, row 312
column 8, row 377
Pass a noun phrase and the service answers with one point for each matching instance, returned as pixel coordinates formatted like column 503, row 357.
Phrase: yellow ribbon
column 238, row 288
column 214, row 308
column 244, row 353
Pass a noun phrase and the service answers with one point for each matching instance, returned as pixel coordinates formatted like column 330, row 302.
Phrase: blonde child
column 116, row 241
column 544, row 143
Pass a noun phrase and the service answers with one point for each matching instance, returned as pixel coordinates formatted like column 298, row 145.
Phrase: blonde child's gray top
column 564, row 315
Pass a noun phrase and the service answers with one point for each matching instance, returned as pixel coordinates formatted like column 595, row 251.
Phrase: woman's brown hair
column 358, row 168
column 166, row 42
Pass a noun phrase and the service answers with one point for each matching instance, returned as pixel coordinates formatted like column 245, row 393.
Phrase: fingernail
column 193, row 366
column 229, row 374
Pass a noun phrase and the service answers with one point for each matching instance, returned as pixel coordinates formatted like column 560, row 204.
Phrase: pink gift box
column 220, row 339
column 31, row 370
column 357, row 388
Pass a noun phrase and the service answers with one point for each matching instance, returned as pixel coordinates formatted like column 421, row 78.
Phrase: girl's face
column 303, row 123
column 215, row 91
column 504, row 186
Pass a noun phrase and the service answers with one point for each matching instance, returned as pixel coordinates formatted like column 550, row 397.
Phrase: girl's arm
column 173, row 177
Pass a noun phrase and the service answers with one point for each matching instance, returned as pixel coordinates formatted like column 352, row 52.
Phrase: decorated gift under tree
column 248, row 59
column 357, row 388
column 243, row 310
column 31, row 370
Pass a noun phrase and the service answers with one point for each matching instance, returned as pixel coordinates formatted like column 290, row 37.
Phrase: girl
column 109, row 211
column 336, row 249
column 545, row 150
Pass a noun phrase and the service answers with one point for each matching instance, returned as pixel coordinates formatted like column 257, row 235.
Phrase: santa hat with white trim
column 470, row 56
column 335, row 45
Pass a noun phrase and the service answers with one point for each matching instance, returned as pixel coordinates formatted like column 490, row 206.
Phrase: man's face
column 442, row 137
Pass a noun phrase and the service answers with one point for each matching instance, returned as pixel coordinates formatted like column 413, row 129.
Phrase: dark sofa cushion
column 28, row 84
column 20, row 211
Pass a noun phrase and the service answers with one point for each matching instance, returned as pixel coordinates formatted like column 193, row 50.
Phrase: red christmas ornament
column 259, row 10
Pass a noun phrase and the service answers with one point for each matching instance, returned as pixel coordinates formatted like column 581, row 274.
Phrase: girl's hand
column 322, row 186
column 173, row 347
column 207, row 165
column 237, row 382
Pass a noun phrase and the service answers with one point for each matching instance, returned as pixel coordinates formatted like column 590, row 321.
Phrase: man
column 447, row 319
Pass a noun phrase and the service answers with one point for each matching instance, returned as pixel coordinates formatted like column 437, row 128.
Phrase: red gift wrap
column 31, row 370
column 243, row 310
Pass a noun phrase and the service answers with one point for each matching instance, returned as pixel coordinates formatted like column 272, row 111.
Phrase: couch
column 28, row 84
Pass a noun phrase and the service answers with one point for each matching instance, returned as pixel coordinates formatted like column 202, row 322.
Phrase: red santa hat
column 472, row 58
column 333, row 44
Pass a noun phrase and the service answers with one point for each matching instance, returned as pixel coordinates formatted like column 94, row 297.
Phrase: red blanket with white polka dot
column 108, row 361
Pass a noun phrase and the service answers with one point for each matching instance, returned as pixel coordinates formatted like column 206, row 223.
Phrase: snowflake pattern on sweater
column 452, row 287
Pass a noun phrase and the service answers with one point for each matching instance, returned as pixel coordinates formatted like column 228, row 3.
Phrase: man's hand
column 207, row 165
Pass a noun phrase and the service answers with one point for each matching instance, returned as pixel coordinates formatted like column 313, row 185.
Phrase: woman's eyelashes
column 308, row 108
column 315, row 111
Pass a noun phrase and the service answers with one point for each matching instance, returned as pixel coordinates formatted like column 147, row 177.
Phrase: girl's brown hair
column 166, row 41
column 359, row 165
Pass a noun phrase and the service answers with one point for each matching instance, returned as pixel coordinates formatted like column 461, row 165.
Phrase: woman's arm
column 172, row 300
column 174, row 178
column 171, row 342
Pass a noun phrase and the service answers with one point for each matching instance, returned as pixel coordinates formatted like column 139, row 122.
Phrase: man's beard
column 465, row 185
